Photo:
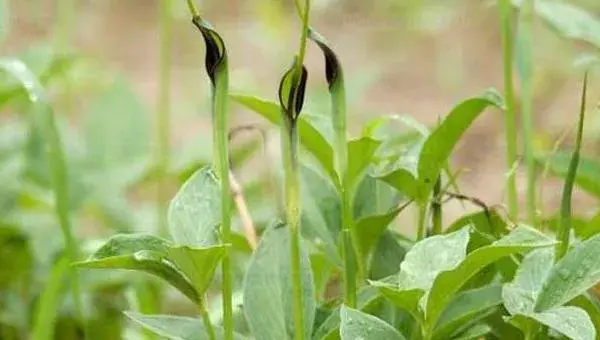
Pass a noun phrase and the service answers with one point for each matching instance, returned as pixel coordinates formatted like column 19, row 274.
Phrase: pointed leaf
column 574, row 274
column 195, row 212
column 268, row 289
column 176, row 327
column 520, row 295
column 389, row 252
column 442, row 140
column 467, row 308
column 406, row 299
column 448, row 283
column 310, row 137
column 198, row 264
column 360, row 155
column 357, row 325
column 141, row 253
column 370, row 229
column 476, row 332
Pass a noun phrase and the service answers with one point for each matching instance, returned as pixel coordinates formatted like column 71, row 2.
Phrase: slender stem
column 526, row 74
column 510, row 115
column 49, row 301
column 292, row 197
column 208, row 327
column 564, row 229
column 221, row 160
column 303, row 37
column 163, row 105
column 422, row 226
column 192, row 8
column 436, row 207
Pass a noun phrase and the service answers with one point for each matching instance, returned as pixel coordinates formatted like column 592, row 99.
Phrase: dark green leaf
column 387, row 256
column 16, row 260
column 195, row 212
column 467, row 308
column 475, row 332
column 357, row 325
column 268, row 289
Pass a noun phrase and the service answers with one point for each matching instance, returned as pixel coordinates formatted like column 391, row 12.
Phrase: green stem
column 303, row 37
column 422, row 226
column 510, row 115
column 163, row 105
column 564, row 229
column 436, row 207
column 221, row 160
column 292, row 197
column 208, row 327
column 526, row 72
column 192, row 8
column 49, row 301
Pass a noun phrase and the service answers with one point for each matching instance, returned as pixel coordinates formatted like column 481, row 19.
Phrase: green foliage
column 340, row 266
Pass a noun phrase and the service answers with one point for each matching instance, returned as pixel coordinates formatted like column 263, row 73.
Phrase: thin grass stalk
column 525, row 67
column 505, row 9
column 564, row 228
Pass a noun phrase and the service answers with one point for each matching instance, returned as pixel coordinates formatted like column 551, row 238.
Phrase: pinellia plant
column 330, row 265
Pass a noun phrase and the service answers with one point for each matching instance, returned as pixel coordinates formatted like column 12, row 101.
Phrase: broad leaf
column 520, row 295
column 195, row 213
column 568, row 20
column 448, row 283
column 575, row 273
column 268, row 301
column 310, row 137
column 406, row 299
column 572, row 322
column 198, row 264
column 357, row 325
column 142, row 253
column 176, row 327
column 467, row 308
column 374, row 197
column 588, row 171
column 320, row 213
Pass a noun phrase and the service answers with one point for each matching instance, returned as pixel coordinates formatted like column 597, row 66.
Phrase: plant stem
column 208, row 327
column 49, row 300
column 292, row 198
column 526, row 73
column 510, row 116
column 564, row 228
column 163, row 105
column 422, row 226
column 221, row 160
column 436, row 207
column 303, row 37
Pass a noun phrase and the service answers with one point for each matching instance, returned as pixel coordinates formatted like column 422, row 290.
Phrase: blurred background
column 99, row 62
column 416, row 57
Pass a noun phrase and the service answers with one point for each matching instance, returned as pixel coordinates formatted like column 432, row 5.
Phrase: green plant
column 332, row 264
